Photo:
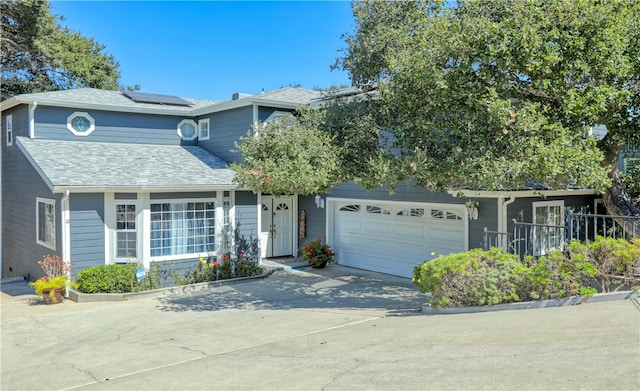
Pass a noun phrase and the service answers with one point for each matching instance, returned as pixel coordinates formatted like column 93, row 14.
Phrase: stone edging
column 80, row 297
column 574, row 300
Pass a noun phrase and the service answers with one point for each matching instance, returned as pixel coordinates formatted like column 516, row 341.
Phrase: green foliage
column 288, row 156
column 112, row 278
column 490, row 277
column 316, row 253
column 228, row 267
column 38, row 54
column 48, row 284
column 614, row 261
column 494, row 94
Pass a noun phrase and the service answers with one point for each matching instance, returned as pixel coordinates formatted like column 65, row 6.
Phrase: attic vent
column 159, row 99
column 239, row 95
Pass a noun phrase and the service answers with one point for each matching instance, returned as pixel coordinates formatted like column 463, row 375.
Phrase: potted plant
column 53, row 285
column 317, row 253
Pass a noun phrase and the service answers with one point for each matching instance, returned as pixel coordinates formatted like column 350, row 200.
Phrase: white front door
column 276, row 236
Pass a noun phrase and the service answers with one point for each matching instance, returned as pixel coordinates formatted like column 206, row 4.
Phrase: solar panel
column 145, row 97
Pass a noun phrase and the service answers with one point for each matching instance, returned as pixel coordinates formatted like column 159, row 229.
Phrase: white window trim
column 92, row 123
column 217, row 205
column 47, row 201
column 9, row 129
column 136, row 204
column 200, row 125
column 195, row 129
column 537, row 251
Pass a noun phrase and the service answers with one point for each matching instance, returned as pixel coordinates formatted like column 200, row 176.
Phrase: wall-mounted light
column 472, row 209
column 319, row 202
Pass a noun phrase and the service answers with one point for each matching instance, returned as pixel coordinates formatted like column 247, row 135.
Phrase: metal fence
column 539, row 239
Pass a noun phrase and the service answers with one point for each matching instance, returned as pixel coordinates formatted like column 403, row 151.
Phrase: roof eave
column 520, row 193
column 145, row 189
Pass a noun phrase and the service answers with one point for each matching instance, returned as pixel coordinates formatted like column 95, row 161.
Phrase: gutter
column 66, row 237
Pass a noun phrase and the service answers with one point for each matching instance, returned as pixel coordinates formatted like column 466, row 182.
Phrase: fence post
column 570, row 225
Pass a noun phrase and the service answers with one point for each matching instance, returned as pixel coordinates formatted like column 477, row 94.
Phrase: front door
column 277, row 226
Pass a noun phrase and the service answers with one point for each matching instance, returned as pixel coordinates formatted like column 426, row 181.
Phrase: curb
column 80, row 297
column 573, row 300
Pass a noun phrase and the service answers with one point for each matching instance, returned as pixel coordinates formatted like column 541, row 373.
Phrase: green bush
column 113, row 278
column 480, row 277
column 613, row 259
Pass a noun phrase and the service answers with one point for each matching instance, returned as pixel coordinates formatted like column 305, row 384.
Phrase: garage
column 394, row 237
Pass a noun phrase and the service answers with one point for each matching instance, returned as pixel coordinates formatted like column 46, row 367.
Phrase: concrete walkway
column 302, row 329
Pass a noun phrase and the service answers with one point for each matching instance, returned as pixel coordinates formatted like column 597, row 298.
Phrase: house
column 107, row 177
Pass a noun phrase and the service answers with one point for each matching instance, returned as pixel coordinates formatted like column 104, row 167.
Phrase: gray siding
column 316, row 220
column 112, row 127
column 87, row 230
column 487, row 217
column 20, row 118
column 170, row 271
column 21, row 185
column 522, row 209
column 246, row 216
column 225, row 130
column 265, row 112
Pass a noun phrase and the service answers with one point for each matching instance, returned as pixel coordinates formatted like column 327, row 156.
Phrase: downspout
column 66, row 237
column 259, row 223
column 32, row 119
column 502, row 214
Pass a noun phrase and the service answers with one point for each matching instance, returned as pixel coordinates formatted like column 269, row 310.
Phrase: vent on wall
column 159, row 99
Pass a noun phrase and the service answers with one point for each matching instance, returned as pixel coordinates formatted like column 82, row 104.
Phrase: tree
column 496, row 94
column 38, row 54
column 288, row 156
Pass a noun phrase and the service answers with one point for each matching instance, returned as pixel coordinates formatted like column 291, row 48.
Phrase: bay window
column 182, row 227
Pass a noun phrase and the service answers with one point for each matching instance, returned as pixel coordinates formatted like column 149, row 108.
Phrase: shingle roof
column 71, row 164
column 107, row 99
column 291, row 95
column 92, row 98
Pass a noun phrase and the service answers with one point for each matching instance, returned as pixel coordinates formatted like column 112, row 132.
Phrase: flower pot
column 55, row 298
column 319, row 265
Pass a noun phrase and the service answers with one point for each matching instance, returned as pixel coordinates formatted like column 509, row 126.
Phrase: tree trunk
column 616, row 199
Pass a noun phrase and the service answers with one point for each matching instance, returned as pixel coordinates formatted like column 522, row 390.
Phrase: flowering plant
column 56, row 271
column 317, row 253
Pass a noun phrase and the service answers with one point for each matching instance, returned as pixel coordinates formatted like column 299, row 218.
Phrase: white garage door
column 394, row 237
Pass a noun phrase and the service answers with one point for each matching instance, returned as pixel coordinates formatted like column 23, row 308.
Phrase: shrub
column 480, row 277
column 475, row 277
column 113, row 278
column 613, row 259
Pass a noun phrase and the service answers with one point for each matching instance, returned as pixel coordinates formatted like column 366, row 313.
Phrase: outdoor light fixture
column 472, row 209
column 319, row 202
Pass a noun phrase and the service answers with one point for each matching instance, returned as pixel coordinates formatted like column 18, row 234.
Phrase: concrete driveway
column 330, row 329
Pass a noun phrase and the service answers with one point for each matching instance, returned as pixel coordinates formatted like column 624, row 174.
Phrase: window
column 179, row 228
column 549, row 233
column 377, row 210
column 46, row 222
column 187, row 129
column 126, row 233
column 81, row 124
column 203, row 126
column 445, row 214
column 350, row 208
column 413, row 212
column 9, row 130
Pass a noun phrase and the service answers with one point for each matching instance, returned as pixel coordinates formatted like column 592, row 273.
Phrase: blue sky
column 211, row 49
